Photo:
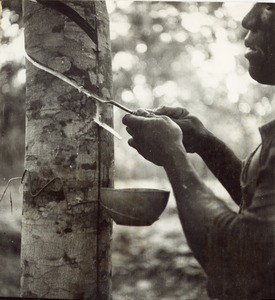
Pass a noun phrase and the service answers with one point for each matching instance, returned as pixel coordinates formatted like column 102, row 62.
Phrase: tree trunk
column 65, row 251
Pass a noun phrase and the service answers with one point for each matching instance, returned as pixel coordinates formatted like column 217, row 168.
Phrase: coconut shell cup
column 134, row 207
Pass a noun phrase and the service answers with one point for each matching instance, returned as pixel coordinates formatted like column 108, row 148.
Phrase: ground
column 155, row 263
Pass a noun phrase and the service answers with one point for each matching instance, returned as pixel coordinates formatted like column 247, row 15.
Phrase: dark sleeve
column 241, row 246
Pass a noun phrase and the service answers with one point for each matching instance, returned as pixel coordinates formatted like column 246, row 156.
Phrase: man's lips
column 254, row 53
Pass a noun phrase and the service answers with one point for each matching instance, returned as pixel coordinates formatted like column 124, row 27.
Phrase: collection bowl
column 134, row 207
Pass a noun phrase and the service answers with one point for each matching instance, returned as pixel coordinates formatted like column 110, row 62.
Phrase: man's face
column 260, row 40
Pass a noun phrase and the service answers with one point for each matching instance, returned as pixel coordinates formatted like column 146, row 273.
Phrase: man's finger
column 160, row 110
column 183, row 112
column 172, row 112
column 132, row 143
column 134, row 122
column 143, row 113
column 151, row 111
column 129, row 131
column 165, row 110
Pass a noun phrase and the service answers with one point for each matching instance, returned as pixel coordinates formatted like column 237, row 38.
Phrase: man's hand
column 154, row 137
column 193, row 131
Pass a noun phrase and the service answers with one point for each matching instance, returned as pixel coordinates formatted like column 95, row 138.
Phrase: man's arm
column 159, row 140
column 221, row 161
column 198, row 207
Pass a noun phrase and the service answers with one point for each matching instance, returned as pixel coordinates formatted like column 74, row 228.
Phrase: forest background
column 164, row 53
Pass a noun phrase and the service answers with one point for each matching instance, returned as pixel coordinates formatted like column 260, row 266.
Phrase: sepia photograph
column 136, row 150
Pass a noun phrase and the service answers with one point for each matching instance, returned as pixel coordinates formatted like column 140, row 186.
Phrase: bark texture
column 65, row 251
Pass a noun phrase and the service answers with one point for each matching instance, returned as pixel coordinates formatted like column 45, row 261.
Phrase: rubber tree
column 65, row 251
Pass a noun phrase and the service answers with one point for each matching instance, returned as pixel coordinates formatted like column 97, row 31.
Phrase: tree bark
column 65, row 251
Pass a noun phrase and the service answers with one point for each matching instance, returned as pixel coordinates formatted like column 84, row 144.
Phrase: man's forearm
column 223, row 163
column 198, row 207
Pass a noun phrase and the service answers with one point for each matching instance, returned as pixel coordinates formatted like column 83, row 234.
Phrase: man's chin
column 262, row 75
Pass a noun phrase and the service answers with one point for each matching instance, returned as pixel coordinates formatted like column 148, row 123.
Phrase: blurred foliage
column 173, row 53
column 12, row 91
column 186, row 54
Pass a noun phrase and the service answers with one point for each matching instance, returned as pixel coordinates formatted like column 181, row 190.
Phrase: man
column 237, row 251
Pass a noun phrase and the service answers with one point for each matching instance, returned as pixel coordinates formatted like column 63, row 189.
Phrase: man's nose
column 251, row 20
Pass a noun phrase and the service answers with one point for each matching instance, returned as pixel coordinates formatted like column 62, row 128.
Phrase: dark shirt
column 242, row 246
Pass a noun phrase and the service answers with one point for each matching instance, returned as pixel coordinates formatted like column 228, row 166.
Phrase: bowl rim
column 134, row 190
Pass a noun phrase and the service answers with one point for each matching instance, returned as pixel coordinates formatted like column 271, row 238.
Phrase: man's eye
column 269, row 7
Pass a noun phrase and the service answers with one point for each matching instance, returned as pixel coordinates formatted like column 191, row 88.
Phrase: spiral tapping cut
column 81, row 89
